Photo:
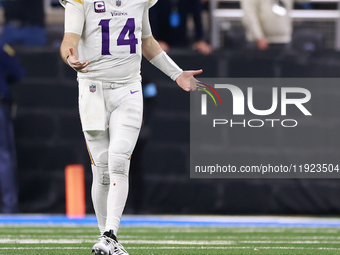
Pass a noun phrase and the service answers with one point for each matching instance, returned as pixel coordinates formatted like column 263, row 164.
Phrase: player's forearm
column 69, row 41
column 64, row 50
column 150, row 48
column 154, row 53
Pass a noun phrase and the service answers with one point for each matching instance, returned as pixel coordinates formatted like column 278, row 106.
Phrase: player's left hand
column 73, row 61
column 184, row 79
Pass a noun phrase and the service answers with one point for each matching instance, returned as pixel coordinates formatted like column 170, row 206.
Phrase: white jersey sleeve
column 74, row 18
column 146, row 28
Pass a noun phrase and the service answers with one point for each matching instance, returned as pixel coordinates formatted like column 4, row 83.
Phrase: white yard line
column 292, row 242
column 177, row 248
column 165, row 242
column 44, row 248
column 178, row 242
column 45, row 241
column 78, row 241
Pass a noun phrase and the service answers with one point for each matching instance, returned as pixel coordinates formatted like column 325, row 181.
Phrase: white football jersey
column 111, row 38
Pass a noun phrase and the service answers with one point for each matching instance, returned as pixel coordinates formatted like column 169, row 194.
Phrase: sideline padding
column 151, row 220
column 75, row 191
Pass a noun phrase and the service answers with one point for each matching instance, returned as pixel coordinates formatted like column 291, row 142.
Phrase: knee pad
column 119, row 166
column 121, row 147
column 101, row 175
column 100, row 156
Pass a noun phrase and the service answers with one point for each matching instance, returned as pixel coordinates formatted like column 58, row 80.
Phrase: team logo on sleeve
column 93, row 88
column 118, row 3
column 99, row 6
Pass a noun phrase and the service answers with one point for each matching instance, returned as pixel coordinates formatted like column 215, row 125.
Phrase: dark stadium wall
column 49, row 137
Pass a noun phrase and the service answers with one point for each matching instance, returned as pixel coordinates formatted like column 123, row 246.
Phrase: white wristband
column 164, row 63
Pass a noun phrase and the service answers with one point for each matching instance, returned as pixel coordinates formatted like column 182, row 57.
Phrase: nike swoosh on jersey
column 133, row 92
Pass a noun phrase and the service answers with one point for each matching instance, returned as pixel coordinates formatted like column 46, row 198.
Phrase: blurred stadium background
column 49, row 137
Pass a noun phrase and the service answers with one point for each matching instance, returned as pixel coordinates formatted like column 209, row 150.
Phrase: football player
column 104, row 42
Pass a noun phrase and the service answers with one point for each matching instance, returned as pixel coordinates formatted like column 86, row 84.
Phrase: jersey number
column 128, row 28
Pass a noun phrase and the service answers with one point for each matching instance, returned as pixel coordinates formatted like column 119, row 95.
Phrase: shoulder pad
column 152, row 3
column 63, row 2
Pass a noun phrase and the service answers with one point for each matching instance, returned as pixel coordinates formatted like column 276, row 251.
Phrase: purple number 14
column 128, row 28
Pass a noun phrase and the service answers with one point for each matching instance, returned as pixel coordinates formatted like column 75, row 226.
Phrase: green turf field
column 172, row 240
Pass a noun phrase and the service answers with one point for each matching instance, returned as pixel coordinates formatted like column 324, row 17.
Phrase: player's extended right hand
column 184, row 79
column 73, row 62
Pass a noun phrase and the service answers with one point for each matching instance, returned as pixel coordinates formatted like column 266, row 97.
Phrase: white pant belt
column 112, row 85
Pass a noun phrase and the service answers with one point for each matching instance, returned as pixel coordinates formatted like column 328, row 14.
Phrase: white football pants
column 110, row 153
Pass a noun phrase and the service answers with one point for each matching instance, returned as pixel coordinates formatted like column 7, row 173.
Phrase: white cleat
column 108, row 246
